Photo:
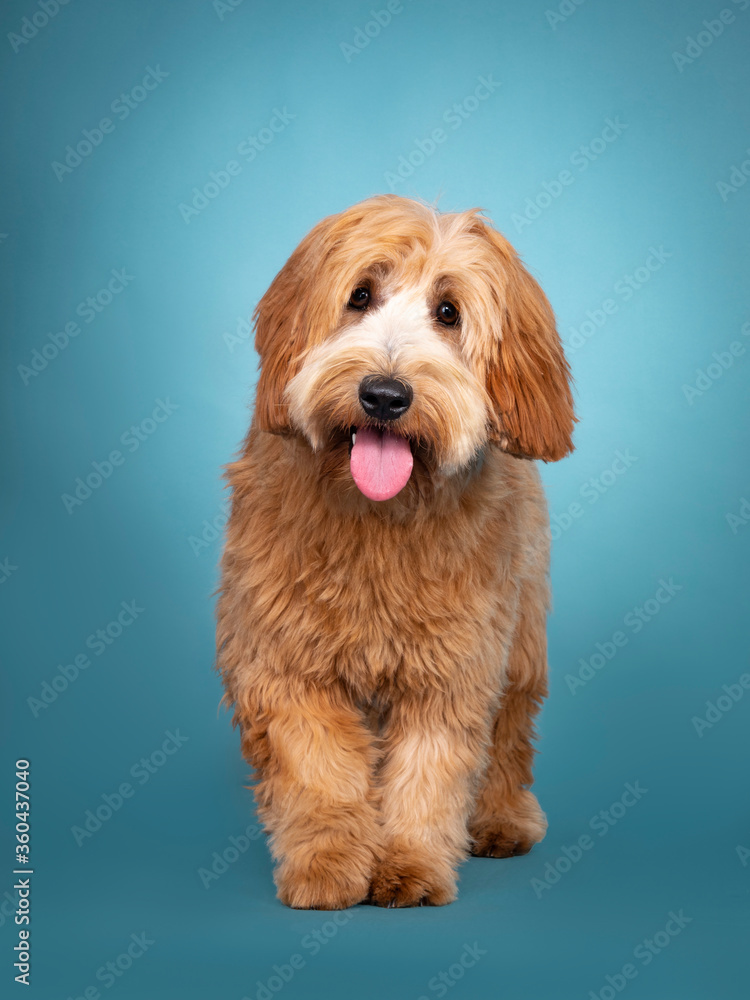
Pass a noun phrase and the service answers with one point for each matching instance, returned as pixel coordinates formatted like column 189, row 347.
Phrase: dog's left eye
column 360, row 297
column 447, row 313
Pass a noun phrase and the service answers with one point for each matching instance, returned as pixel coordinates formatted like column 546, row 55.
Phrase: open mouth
column 380, row 462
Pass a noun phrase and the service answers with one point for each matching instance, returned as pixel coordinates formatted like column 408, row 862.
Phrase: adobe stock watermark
column 37, row 21
column 454, row 117
column 113, row 970
column 311, row 945
column 210, row 531
column 708, row 32
column 122, row 107
column 98, row 642
column 7, row 569
column 716, row 710
column 141, row 772
column 131, row 440
column 224, row 7
column 87, row 309
column 592, row 491
column 248, row 150
column 741, row 518
column 634, row 622
column 623, row 291
column 440, row 984
column 738, row 175
column 363, row 36
column 563, row 12
column 600, row 824
column 581, row 158
column 743, row 853
column 722, row 361
column 242, row 334
column 8, row 906
column 643, row 953
column 220, row 861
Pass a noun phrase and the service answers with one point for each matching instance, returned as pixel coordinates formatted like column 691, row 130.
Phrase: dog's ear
column 278, row 339
column 297, row 311
column 528, row 377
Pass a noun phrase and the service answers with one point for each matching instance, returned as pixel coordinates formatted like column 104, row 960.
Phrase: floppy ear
column 528, row 377
column 278, row 338
column 295, row 313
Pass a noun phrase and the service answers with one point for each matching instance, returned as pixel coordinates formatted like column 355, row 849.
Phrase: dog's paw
column 328, row 881
column 405, row 879
column 498, row 842
column 521, row 826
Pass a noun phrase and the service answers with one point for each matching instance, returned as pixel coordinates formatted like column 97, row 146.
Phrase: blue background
column 171, row 334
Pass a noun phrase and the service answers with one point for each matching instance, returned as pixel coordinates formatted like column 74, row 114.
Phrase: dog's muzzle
column 381, row 461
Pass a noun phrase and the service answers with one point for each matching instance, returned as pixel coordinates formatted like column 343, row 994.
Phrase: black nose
column 384, row 398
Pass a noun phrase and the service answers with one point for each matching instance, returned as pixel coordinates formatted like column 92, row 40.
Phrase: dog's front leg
column 434, row 750
column 314, row 760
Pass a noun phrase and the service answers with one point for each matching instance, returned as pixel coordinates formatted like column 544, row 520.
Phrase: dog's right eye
column 360, row 297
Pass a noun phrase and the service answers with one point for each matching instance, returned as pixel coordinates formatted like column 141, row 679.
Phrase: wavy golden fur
column 385, row 659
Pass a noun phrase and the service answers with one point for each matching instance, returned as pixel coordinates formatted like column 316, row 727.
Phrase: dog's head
column 395, row 335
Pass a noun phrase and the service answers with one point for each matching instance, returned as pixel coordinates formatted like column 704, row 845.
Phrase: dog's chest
column 381, row 600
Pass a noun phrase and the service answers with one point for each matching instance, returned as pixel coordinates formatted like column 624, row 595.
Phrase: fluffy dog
column 381, row 621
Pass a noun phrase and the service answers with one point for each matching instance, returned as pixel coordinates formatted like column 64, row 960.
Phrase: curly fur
column 385, row 660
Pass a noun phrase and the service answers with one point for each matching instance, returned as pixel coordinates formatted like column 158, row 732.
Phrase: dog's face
column 397, row 339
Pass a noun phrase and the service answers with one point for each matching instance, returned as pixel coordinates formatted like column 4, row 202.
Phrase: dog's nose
column 384, row 398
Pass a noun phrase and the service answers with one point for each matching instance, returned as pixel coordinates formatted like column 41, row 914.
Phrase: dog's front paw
column 405, row 878
column 329, row 880
column 521, row 825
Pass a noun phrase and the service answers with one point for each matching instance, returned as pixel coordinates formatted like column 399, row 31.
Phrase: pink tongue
column 381, row 463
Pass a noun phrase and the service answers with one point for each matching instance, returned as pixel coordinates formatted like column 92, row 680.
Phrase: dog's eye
column 360, row 297
column 447, row 313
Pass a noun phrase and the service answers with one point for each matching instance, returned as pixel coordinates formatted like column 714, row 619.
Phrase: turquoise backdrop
column 162, row 159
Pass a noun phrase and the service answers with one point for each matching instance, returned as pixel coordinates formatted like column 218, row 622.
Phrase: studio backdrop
column 161, row 161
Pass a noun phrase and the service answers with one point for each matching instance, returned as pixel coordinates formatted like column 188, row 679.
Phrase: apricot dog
column 381, row 622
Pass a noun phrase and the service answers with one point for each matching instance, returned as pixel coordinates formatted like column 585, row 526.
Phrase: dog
column 382, row 610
